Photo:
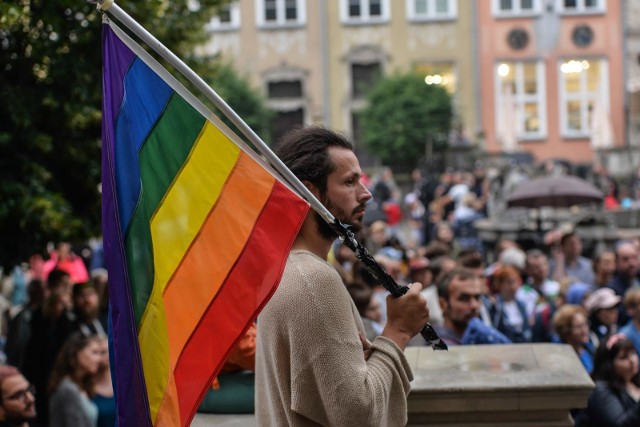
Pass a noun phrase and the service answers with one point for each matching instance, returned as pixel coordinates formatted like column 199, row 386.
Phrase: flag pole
column 344, row 231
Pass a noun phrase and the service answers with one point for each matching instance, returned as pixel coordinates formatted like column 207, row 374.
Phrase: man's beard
column 325, row 229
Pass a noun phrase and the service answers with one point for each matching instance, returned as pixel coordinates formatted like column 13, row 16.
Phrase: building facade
column 543, row 76
column 552, row 77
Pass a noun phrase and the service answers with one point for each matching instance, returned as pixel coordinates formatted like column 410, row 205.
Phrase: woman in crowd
column 103, row 396
column 614, row 401
column 604, row 267
column 572, row 327
column 509, row 315
column 602, row 305
column 72, row 381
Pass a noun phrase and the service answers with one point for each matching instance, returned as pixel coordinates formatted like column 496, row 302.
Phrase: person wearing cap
column 17, row 398
column 602, row 306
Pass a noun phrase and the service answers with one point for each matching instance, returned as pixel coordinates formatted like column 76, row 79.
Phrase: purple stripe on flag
column 131, row 397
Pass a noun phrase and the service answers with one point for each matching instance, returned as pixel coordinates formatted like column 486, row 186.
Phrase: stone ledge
column 498, row 385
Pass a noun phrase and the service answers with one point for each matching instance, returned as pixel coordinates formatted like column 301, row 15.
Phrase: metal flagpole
column 344, row 231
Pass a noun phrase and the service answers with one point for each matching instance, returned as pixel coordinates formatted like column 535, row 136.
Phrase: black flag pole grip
column 349, row 240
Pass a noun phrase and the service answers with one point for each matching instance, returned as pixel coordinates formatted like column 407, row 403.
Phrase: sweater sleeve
column 65, row 409
column 331, row 382
column 607, row 409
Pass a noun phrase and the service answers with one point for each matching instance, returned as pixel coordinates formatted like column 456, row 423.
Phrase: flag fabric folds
column 196, row 235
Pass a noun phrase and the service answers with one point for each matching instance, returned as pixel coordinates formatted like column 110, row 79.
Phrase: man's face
column 18, row 401
column 538, row 268
column 346, row 195
column 572, row 247
column 86, row 302
column 627, row 260
column 463, row 303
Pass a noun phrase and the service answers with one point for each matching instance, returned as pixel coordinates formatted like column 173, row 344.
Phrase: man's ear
column 312, row 187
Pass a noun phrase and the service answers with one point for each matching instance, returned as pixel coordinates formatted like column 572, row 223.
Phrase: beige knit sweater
column 310, row 367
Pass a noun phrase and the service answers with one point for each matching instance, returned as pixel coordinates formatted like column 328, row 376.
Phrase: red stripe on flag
column 247, row 289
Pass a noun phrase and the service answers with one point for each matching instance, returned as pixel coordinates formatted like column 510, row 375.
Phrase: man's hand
column 406, row 316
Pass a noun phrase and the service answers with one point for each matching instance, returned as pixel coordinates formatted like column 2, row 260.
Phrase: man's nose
column 365, row 194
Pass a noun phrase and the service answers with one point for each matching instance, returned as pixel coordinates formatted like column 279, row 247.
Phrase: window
column 364, row 11
column 520, row 100
column 363, row 78
column 286, row 98
column 285, row 121
column 582, row 82
column 581, row 6
column 439, row 73
column 425, row 10
column 284, row 89
column 227, row 19
column 280, row 13
column 510, row 8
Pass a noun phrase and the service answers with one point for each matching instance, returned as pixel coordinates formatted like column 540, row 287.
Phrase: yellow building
column 315, row 60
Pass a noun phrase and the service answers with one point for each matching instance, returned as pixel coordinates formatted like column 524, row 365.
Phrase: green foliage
column 402, row 113
column 50, row 86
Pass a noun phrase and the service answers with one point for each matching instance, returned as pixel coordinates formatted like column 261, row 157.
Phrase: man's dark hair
column 6, row 371
column 361, row 295
column 304, row 152
column 56, row 277
column 566, row 236
column 444, row 283
column 470, row 258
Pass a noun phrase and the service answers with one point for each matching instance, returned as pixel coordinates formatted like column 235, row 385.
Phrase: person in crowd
column 571, row 325
column 444, row 235
column 602, row 306
column 472, row 260
column 87, row 309
column 509, row 315
column 626, row 274
column 420, row 271
column 567, row 260
column 311, row 318
column 103, row 396
column 459, row 295
column 17, row 398
column 234, row 388
column 63, row 258
column 632, row 305
column 615, row 402
column 50, row 327
column 369, row 309
column 537, row 289
column 19, row 332
column 72, row 381
column 604, row 267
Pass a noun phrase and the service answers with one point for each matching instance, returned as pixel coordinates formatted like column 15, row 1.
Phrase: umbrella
column 554, row 191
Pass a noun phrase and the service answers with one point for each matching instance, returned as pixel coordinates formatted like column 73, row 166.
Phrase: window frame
column 581, row 8
column 516, row 12
column 281, row 21
column 364, row 17
column 234, row 10
column 413, row 16
column 602, row 92
column 521, row 98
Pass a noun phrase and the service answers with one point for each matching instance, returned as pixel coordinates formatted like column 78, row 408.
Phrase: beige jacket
column 310, row 367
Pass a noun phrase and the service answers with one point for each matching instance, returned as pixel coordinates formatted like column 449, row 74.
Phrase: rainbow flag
column 196, row 233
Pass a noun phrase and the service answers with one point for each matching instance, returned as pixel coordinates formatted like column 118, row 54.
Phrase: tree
column 51, row 87
column 402, row 113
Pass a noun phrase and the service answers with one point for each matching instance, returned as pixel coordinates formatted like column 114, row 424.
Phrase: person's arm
column 331, row 381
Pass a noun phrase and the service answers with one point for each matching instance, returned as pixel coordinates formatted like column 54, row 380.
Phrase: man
column 87, row 308
column 17, row 399
column 625, row 276
column 313, row 365
column 537, row 289
column 460, row 295
column 568, row 261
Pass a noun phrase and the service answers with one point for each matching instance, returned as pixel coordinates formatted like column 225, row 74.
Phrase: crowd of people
column 54, row 321
column 55, row 350
column 550, row 293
